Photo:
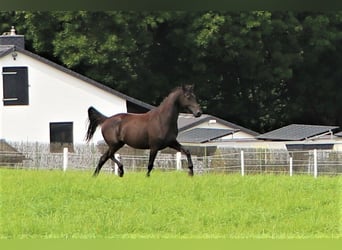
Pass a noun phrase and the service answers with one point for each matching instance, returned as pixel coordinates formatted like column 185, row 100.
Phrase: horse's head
column 188, row 100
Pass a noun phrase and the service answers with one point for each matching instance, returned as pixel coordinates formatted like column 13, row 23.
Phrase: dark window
column 61, row 136
column 293, row 147
column 15, row 86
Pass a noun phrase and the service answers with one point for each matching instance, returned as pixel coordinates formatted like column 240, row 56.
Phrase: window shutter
column 15, row 86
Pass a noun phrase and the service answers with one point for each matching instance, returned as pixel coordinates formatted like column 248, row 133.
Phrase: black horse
column 154, row 130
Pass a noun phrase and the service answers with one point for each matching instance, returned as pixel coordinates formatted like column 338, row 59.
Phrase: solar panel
column 201, row 135
column 296, row 132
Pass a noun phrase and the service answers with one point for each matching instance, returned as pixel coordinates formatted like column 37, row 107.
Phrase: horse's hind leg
column 102, row 161
column 116, row 147
column 120, row 166
column 109, row 154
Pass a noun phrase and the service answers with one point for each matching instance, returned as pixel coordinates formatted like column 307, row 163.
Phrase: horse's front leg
column 153, row 154
column 177, row 146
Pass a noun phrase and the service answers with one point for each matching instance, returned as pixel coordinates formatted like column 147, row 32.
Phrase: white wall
column 54, row 96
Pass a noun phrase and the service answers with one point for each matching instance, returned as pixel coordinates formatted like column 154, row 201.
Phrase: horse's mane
column 170, row 93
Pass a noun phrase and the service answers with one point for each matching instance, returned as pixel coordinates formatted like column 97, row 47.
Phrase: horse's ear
column 188, row 88
column 191, row 87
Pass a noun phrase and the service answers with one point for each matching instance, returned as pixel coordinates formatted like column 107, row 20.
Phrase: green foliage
column 260, row 69
column 53, row 204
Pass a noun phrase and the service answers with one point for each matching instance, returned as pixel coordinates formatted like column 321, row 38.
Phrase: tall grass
column 51, row 204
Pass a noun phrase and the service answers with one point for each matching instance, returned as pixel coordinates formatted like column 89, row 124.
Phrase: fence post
column 178, row 160
column 65, row 159
column 242, row 163
column 291, row 166
column 315, row 163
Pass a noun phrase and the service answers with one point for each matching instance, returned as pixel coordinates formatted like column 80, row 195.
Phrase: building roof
column 296, row 132
column 6, row 49
column 187, row 121
column 202, row 135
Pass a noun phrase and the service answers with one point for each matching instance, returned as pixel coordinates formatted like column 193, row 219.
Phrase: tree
column 247, row 60
column 260, row 69
column 315, row 90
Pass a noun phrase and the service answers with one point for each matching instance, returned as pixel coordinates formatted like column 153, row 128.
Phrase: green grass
column 52, row 204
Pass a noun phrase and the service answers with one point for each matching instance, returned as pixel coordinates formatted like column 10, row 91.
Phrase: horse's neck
column 169, row 109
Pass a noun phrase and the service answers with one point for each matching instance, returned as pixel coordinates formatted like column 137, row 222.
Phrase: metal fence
column 313, row 162
column 241, row 161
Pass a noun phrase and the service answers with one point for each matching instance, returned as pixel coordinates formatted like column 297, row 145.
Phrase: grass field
column 53, row 204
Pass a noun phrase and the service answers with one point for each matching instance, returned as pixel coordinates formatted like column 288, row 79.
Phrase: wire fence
column 313, row 162
column 226, row 160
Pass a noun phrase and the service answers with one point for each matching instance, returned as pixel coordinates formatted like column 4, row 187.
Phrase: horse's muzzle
column 198, row 113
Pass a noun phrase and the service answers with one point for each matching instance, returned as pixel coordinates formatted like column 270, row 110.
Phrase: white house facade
column 45, row 102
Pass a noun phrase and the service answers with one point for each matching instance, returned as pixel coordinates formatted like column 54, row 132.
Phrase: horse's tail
column 95, row 119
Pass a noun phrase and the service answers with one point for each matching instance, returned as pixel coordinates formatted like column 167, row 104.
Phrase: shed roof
column 296, row 132
column 187, row 121
column 201, row 135
column 6, row 49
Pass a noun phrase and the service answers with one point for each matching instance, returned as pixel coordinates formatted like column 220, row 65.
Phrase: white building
column 45, row 102
column 208, row 128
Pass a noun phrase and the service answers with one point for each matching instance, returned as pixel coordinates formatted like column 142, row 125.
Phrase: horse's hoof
column 120, row 172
